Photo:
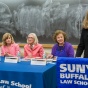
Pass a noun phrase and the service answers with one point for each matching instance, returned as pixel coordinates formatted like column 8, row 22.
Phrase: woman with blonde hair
column 33, row 49
column 61, row 48
column 9, row 47
column 83, row 45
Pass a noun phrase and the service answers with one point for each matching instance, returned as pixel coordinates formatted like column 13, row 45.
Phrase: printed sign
column 72, row 72
column 11, row 59
column 13, row 84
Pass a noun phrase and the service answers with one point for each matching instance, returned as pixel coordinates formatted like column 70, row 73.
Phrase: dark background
column 43, row 17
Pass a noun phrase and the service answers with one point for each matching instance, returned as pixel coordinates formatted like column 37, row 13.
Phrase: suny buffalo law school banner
column 72, row 72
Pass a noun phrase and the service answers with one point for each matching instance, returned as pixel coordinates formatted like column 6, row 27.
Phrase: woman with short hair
column 33, row 49
column 61, row 48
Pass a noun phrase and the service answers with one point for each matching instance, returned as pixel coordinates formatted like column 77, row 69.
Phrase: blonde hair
column 57, row 32
column 85, row 21
column 5, row 36
column 35, row 38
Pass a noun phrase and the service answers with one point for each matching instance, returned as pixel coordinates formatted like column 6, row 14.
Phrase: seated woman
column 9, row 47
column 33, row 48
column 61, row 48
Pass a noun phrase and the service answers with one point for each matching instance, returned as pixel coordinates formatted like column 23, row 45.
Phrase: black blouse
column 83, row 45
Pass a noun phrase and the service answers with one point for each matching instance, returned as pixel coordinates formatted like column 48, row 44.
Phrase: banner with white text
column 72, row 72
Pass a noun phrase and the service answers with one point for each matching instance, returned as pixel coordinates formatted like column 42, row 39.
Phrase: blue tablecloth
column 24, row 75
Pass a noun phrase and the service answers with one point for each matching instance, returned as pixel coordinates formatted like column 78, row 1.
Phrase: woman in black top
column 83, row 45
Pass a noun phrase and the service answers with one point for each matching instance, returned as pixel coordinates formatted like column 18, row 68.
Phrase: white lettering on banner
column 85, row 83
column 4, row 82
column 63, row 68
column 81, row 82
column 75, row 76
column 73, row 68
column 66, row 81
column 18, row 84
column 2, row 86
column 7, row 84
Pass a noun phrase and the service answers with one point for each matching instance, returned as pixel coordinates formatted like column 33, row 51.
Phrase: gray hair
column 35, row 38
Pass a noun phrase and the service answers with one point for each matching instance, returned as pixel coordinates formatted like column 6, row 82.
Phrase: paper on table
column 54, row 60
column 25, row 59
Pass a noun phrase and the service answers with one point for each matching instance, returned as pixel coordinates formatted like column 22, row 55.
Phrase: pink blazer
column 36, row 51
column 13, row 50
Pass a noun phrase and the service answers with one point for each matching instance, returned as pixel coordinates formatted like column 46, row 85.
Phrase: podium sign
column 38, row 61
column 72, row 72
column 11, row 59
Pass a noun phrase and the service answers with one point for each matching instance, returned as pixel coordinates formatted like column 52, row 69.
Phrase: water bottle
column 44, row 55
column 18, row 55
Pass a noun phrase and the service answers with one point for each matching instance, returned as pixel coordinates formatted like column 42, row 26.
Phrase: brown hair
column 85, row 21
column 5, row 36
column 57, row 32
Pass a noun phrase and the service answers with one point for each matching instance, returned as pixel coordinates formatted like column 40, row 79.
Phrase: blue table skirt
column 22, row 74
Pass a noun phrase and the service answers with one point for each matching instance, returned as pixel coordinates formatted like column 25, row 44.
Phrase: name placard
column 49, row 60
column 38, row 61
column 11, row 59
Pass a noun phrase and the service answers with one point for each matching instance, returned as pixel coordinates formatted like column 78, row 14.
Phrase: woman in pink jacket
column 33, row 49
column 9, row 47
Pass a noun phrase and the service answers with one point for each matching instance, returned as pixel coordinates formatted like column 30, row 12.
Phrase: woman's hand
column 7, row 54
column 30, row 56
column 49, row 56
